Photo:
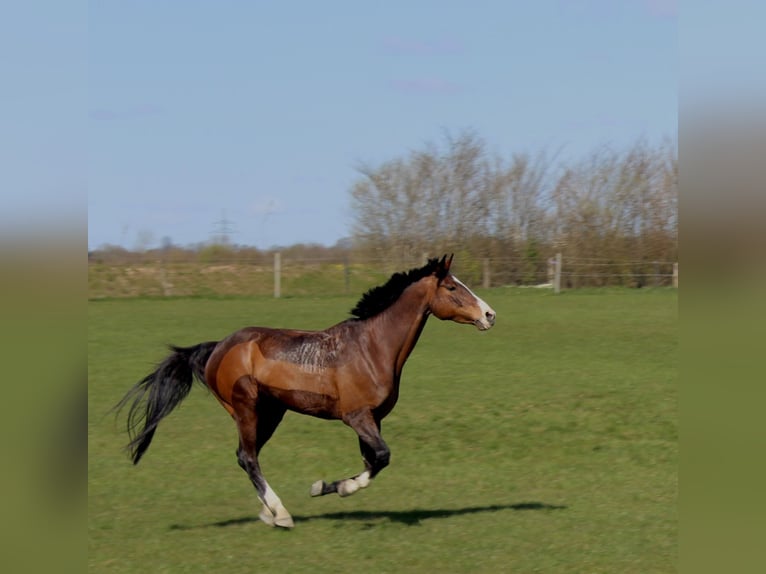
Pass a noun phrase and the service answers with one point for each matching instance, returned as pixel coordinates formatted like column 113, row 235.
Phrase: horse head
column 453, row 301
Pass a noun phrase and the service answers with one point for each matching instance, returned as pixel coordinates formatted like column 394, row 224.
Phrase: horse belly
column 300, row 391
column 306, row 402
column 359, row 391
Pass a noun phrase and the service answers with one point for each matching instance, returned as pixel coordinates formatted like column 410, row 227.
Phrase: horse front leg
column 374, row 450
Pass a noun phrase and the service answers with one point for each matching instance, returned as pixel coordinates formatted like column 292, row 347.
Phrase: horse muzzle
column 485, row 323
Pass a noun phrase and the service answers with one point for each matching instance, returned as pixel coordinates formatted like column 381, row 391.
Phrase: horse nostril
column 490, row 315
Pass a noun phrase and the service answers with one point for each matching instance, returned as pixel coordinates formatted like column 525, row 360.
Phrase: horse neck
column 403, row 322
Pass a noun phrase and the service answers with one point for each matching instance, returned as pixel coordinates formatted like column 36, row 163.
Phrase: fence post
column 656, row 273
column 166, row 285
column 557, row 275
column 486, row 278
column 675, row 274
column 277, row 275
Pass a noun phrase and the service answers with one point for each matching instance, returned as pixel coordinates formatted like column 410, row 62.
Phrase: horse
column 350, row 372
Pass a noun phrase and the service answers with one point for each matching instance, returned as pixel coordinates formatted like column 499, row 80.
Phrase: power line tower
column 222, row 231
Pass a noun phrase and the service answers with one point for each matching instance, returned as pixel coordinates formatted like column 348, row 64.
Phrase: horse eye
column 450, row 287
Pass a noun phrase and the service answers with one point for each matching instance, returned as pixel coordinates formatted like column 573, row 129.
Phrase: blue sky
column 259, row 112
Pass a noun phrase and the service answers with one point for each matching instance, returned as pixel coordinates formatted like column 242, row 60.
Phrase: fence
column 574, row 273
column 291, row 276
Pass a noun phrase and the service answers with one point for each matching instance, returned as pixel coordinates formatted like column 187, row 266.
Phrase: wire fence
column 280, row 276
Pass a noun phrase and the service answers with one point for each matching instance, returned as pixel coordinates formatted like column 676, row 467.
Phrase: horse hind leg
column 268, row 416
column 270, row 513
column 244, row 399
column 374, row 451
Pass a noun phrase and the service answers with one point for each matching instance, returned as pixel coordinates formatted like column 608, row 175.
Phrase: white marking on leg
column 351, row 485
column 279, row 512
column 363, row 480
column 347, row 487
column 270, row 498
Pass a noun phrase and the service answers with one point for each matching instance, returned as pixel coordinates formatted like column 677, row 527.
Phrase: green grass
column 548, row 444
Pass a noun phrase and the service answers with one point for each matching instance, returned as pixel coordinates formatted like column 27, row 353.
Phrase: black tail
column 157, row 394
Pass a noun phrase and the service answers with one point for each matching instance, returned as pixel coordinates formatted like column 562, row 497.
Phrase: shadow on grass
column 369, row 517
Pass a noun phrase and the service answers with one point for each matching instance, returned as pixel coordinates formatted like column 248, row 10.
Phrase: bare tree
column 615, row 205
column 434, row 199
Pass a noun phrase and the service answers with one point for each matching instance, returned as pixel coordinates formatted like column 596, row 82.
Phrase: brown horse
column 349, row 372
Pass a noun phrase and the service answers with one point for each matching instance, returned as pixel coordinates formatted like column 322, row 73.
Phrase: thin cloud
column 429, row 85
column 266, row 206
column 398, row 44
column 129, row 113
column 595, row 121
column 662, row 8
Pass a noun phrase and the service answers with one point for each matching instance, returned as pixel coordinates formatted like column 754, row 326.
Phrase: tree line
column 614, row 205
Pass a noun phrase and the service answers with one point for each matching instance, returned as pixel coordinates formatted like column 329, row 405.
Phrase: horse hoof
column 317, row 488
column 267, row 517
column 284, row 521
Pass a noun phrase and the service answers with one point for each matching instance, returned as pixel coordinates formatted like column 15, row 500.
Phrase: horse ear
column 437, row 267
column 449, row 262
column 443, row 267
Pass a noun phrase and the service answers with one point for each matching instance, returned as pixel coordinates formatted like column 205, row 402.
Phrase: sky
column 252, row 117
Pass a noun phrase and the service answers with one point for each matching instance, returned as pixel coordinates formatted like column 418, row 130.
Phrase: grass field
column 548, row 444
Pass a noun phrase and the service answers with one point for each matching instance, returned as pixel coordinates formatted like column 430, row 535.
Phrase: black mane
column 380, row 298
